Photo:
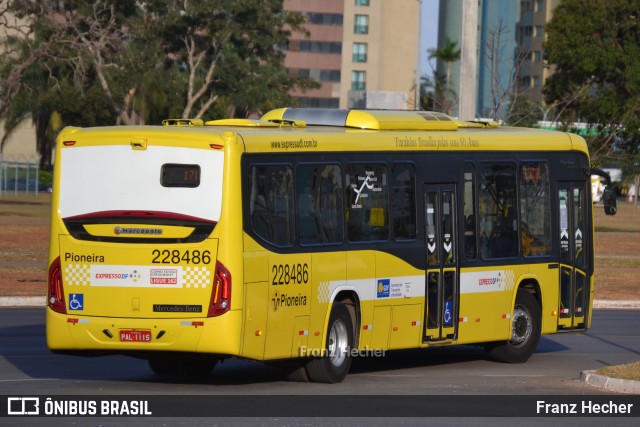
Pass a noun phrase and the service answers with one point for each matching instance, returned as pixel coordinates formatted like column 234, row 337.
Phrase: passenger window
column 535, row 209
column 403, row 201
column 367, row 214
column 271, row 203
column 320, row 207
column 468, row 192
column 498, row 217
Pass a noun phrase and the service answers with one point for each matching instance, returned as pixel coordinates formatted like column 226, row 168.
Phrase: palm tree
column 448, row 53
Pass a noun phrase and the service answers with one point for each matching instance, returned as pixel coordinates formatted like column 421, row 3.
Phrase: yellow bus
column 312, row 236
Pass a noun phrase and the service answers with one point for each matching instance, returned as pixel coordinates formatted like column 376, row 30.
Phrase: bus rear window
column 180, row 175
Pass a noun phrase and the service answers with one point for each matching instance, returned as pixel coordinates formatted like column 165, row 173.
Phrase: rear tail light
column 221, row 293
column 55, row 291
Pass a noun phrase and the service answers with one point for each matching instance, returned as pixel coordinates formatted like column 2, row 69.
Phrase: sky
column 428, row 33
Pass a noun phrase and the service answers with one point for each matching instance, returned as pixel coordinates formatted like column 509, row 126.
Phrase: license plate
column 135, row 335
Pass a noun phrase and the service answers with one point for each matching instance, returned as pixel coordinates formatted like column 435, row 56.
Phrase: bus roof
column 316, row 130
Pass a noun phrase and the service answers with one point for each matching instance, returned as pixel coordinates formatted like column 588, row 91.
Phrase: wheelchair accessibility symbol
column 448, row 308
column 76, row 302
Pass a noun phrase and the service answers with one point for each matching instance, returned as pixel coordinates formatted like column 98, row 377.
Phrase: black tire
column 335, row 365
column 525, row 333
column 182, row 366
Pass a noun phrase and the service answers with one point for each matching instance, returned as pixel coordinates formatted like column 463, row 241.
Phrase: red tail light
column 55, row 291
column 221, row 293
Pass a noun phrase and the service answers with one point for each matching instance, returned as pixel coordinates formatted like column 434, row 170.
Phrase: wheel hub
column 521, row 326
column 338, row 343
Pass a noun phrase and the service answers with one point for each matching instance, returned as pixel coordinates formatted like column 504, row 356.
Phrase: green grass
column 629, row 371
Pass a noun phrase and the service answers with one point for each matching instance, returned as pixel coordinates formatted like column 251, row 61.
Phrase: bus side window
column 319, row 195
column 403, row 201
column 468, row 194
column 497, row 214
column 535, row 209
column 271, row 203
column 367, row 213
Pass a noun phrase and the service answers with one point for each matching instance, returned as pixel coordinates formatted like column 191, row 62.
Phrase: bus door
column 441, row 292
column 574, row 256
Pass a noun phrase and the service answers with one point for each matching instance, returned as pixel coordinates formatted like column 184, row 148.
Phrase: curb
column 619, row 305
column 23, row 301
column 611, row 384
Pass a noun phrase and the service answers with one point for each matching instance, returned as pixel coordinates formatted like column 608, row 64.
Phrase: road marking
column 515, row 375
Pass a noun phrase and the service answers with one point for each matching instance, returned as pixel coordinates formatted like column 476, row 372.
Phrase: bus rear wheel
column 525, row 331
column 182, row 366
column 334, row 366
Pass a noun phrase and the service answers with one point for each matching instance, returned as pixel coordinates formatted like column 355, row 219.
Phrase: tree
column 508, row 104
column 631, row 175
column 228, row 52
column 594, row 48
column 449, row 53
column 144, row 60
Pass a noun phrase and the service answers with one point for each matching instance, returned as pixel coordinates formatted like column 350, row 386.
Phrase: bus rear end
column 134, row 256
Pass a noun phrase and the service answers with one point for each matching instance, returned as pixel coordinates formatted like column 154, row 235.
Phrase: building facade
column 510, row 54
column 364, row 53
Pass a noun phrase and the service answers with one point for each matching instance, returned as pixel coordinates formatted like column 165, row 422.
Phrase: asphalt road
column 28, row 368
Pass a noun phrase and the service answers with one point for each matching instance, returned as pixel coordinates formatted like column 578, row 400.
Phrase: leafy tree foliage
column 448, row 53
column 131, row 62
column 594, row 48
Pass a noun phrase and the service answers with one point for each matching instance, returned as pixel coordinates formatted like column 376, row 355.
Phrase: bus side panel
column 405, row 326
column 255, row 319
column 289, row 294
column 487, row 296
column 255, row 268
column 328, row 271
column 547, row 277
column 381, row 328
column 361, row 276
column 402, row 286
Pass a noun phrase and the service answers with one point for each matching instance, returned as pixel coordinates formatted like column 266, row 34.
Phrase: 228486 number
column 176, row 257
column 283, row 274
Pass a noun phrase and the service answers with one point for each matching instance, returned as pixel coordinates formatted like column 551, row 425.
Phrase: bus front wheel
column 334, row 365
column 525, row 331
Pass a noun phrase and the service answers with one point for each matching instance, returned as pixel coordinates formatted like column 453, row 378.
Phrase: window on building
column 359, row 52
column 361, row 25
column 539, row 31
column 320, row 47
column 358, row 80
column 362, row 2
column 525, row 82
column 324, row 18
column 271, row 205
column 536, row 81
column 537, row 56
column 366, row 199
column 318, row 75
column 320, row 208
column 310, row 102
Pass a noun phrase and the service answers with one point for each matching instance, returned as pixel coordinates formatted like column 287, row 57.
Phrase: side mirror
column 609, row 200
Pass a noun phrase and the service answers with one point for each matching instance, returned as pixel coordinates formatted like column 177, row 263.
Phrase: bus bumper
column 219, row 335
